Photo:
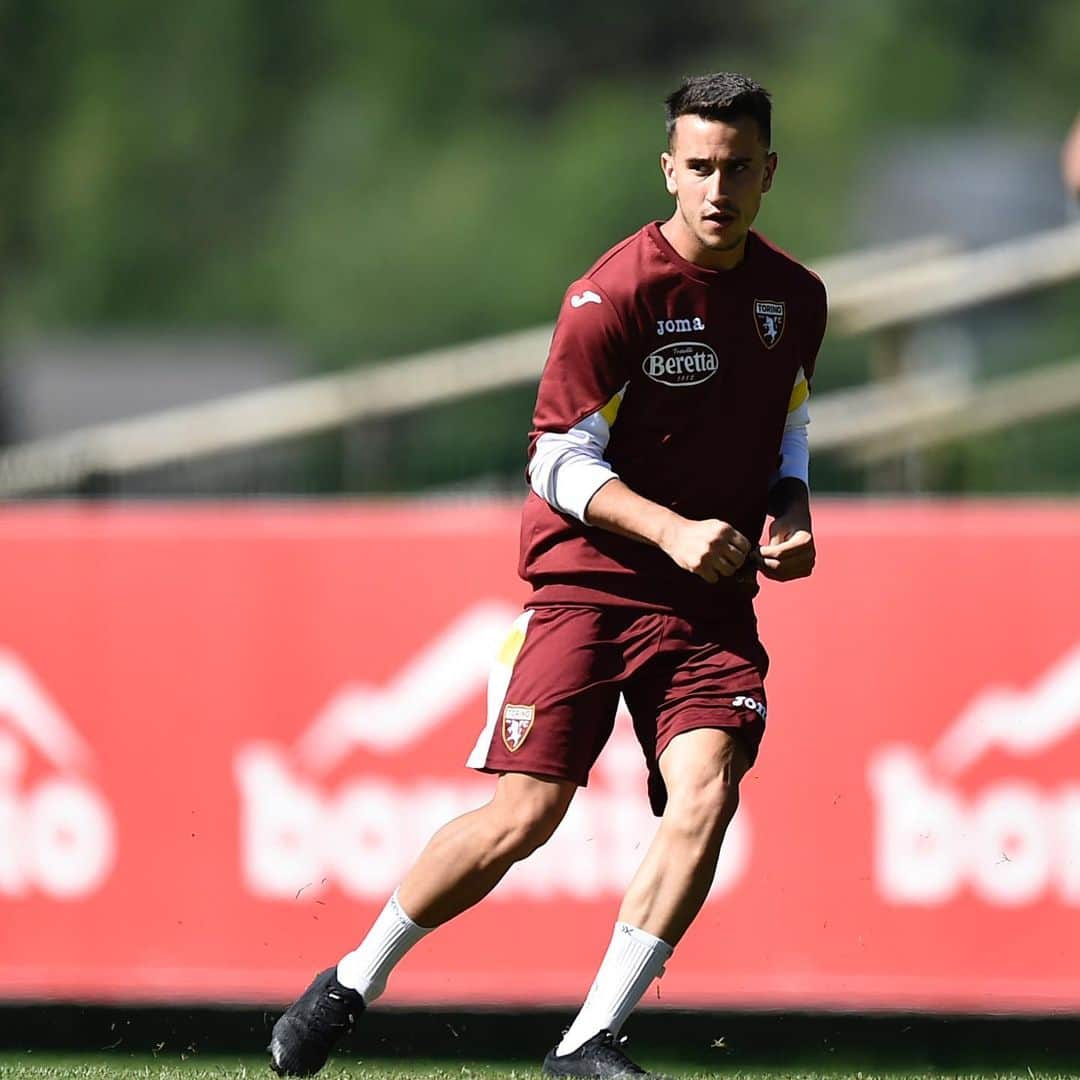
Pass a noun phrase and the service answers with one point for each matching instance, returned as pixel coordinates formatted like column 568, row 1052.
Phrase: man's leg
column 701, row 769
column 561, row 664
column 461, row 864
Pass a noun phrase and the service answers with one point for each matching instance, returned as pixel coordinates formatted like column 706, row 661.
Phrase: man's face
column 717, row 170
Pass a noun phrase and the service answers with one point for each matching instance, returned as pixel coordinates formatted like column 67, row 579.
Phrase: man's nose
column 717, row 186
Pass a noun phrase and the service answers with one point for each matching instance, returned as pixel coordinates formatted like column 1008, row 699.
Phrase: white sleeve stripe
column 794, row 455
column 568, row 468
column 577, row 481
column 799, row 417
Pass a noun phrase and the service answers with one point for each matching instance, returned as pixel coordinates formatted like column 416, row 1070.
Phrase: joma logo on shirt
column 678, row 326
column 683, row 363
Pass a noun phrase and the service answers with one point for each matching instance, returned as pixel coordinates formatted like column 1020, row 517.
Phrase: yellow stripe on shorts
column 508, row 651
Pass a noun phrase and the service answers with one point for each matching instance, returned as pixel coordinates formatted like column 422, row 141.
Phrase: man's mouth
column 722, row 218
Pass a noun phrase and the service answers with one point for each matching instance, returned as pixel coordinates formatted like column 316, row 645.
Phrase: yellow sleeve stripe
column 611, row 409
column 798, row 395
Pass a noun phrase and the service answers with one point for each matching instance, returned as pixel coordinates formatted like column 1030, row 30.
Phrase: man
column 670, row 424
column 1070, row 170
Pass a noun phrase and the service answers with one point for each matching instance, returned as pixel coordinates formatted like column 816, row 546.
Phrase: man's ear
column 667, row 167
column 771, row 161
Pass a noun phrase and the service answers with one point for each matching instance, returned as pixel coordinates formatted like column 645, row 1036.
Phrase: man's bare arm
column 711, row 549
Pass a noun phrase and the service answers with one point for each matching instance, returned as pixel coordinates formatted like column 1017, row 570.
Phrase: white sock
column 633, row 959
column 368, row 966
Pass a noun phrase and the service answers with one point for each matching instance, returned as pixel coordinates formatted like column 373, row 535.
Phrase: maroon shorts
column 555, row 688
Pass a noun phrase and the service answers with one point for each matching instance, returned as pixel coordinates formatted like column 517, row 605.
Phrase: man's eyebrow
column 734, row 160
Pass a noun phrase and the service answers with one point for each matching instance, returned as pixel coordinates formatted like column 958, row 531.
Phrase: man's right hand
column 712, row 549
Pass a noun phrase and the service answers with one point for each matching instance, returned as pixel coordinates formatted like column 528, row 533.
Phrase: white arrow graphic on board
column 30, row 710
column 1021, row 722
column 433, row 685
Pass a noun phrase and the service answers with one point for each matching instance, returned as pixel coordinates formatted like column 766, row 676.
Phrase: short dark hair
column 724, row 95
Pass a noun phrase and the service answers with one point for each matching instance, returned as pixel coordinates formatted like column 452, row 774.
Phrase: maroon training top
column 709, row 359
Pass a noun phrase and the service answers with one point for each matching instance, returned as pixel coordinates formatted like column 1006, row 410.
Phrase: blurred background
column 277, row 280
column 210, row 199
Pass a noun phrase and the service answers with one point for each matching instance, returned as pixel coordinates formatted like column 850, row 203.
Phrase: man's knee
column 526, row 812
column 703, row 806
column 702, row 770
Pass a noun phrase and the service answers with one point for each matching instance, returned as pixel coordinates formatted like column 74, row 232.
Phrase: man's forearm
column 711, row 549
column 618, row 509
column 790, row 498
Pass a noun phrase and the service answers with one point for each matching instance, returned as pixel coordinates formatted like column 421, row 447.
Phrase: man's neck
column 686, row 244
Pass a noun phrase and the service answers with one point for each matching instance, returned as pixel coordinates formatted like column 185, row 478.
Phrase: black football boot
column 312, row 1025
column 599, row 1058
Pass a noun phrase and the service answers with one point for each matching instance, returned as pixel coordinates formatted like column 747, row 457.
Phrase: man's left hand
column 790, row 552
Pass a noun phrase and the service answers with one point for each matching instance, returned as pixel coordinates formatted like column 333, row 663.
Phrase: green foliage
column 371, row 179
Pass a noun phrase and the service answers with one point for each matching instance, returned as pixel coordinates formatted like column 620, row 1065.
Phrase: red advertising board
column 225, row 732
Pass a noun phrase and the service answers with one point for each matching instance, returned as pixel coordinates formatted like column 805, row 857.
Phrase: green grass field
column 42, row 1042
column 103, row 1066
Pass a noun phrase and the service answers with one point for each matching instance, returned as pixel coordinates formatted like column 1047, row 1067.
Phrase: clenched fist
column 712, row 549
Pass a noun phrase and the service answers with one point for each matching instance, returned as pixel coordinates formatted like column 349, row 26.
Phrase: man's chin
column 723, row 241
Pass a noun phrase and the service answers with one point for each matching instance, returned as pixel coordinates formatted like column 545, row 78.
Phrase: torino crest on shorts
column 516, row 725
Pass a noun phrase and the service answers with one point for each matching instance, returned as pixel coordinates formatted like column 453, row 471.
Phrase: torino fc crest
column 516, row 725
column 769, row 319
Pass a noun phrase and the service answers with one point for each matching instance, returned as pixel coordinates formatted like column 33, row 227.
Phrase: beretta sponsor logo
column 682, row 363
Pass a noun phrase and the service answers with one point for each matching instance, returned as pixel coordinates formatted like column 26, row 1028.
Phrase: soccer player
column 669, row 435
column 1070, row 170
